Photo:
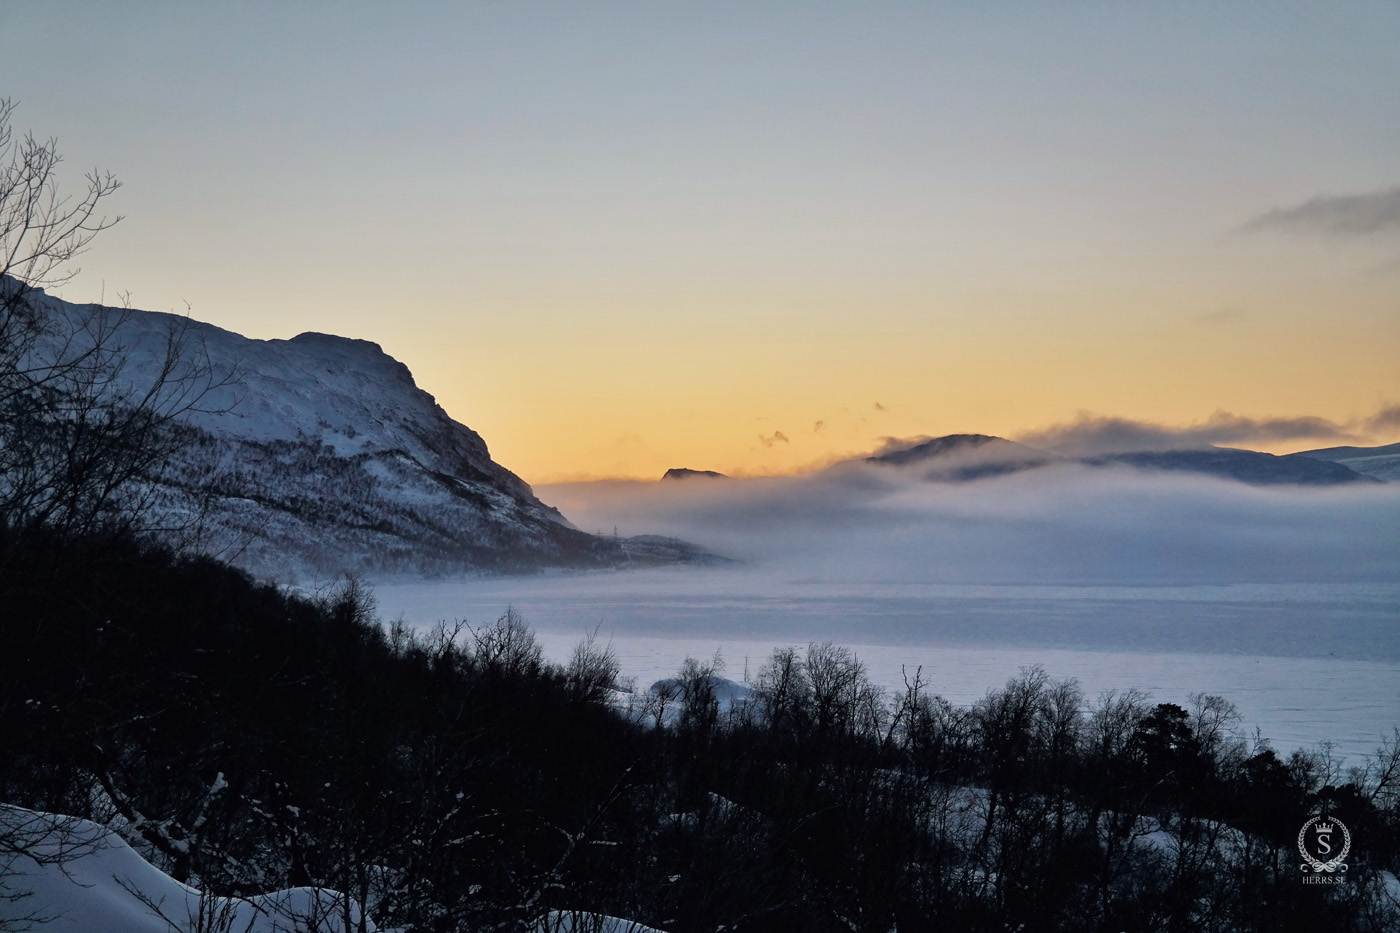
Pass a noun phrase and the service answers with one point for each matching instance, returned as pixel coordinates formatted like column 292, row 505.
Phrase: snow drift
column 60, row 874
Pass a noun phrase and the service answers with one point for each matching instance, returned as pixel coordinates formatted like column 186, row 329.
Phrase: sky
column 616, row 238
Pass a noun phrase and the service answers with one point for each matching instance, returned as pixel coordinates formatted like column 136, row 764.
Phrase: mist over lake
column 1284, row 601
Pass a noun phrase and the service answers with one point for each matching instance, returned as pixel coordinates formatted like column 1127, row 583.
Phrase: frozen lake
column 1304, row 663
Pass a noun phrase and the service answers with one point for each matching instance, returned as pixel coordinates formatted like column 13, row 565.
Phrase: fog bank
column 1067, row 524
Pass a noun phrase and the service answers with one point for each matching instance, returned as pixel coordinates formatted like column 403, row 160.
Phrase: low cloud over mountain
column 979, row 509
column 1091, row 434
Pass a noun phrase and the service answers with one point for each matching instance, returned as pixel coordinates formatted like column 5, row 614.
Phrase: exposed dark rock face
column 683, row 473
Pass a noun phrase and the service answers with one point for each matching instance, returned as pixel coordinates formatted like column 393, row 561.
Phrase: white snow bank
column 60, row 874
column 1389, row 894
column 565, row 921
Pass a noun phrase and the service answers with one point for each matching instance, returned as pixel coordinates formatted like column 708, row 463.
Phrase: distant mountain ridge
column 324, row 457
column 960, row 458
column 677, row 473
column 1246, row 466
column 967, row 457
column 1381, row 462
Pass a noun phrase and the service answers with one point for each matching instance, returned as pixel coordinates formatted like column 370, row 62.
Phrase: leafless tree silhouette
column 85, row 414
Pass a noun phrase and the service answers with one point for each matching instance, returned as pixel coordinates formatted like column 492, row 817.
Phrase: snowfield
column 59, row 874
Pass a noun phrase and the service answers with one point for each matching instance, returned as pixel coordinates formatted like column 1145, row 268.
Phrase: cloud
column 1067, row 524
column 1097, row 434
column 890, row 444
column 773, row 438
column 1387, row 419
column 1346, row 215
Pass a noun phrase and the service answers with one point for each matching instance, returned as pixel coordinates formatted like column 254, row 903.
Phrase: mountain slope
column 1246, row 466
column 966, row 457
column 680, row 473
column 320, row 455
column 963, row 457
column 1381, row 462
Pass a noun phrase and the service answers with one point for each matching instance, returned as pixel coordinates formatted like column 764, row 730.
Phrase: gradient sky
column 615, row 238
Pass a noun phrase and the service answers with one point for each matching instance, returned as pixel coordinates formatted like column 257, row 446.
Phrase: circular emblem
column 1319, row 840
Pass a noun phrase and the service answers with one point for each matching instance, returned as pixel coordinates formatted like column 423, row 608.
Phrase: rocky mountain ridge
column 320, row 455
column 680, row 473
column 957, row 458
column 1381, row 462
column 963, row 457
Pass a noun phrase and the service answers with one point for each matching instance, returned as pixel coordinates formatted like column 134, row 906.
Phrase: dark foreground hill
column 247, row 740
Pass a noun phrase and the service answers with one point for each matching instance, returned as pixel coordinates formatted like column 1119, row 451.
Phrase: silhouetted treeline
column 246, row 738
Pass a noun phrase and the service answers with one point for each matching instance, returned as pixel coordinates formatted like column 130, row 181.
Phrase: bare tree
column 592, row 670
column 508, row 646
column 87, row 417
column 41, row 229
column 700, row 707
column 85, row 437
column 844, row 700
column 783, row 693
column 89, row 407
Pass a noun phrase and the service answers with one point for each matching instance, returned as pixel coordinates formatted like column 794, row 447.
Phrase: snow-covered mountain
column 1381, row 462
column 1246, row 466
column 963, row 457
column 320, row 455
column 960, row 457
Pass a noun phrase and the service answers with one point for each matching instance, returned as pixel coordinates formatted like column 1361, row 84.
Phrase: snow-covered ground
column 563, row 921
column 59, row 874
column 64, row 875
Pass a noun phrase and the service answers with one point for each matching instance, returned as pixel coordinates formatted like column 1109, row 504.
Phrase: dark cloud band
column 1090, row 434
column 1346, row 215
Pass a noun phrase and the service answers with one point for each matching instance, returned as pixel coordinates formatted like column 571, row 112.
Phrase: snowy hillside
column 66, row 875
column 966, row 457
column 320, row 455
column 1381, row 462
column 963, row 457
